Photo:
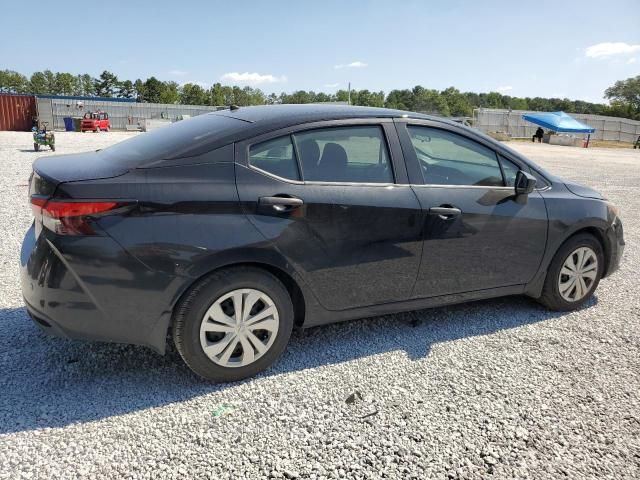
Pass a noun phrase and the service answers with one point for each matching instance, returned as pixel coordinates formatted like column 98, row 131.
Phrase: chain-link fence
column 511, row 123
column 121, row 114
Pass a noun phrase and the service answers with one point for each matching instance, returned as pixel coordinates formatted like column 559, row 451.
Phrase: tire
column 552, row 297
column 36, row 147
column 193, row 314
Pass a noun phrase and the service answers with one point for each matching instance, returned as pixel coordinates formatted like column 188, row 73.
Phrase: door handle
column 281, row 204
column 445, row 213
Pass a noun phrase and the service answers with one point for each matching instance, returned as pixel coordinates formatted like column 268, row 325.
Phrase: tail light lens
column 66, row 217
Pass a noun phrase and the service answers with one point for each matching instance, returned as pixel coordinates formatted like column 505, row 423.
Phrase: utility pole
column 349, row 93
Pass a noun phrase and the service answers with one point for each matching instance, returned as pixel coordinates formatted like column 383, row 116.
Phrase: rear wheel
column 574, row 273
column 233, row 324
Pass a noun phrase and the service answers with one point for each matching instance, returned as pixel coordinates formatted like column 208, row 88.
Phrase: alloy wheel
column 239, row 327
column 578, row 273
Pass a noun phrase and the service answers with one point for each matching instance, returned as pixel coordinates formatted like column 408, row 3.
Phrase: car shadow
column 51, row 382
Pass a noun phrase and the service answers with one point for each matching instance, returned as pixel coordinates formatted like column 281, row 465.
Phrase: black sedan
column 233, row 227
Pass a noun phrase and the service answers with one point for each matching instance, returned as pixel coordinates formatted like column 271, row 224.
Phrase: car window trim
column 241, row 155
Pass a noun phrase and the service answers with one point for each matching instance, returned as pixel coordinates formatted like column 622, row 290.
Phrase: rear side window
column 186, row 138
column 276, row 157
column 447, row 158
column 344, row 154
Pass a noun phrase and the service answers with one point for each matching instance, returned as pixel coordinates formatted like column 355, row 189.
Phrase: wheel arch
column 602, row 239
column 534, row 288
column 287, row 278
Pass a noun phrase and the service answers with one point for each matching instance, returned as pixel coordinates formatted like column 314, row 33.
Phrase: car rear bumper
column 90, row 288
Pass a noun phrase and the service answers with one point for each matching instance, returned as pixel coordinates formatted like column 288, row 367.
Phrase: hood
column 582, row 191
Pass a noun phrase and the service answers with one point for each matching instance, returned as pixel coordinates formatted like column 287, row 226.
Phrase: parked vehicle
column 43, row 137
column 233, row 227
column 95, row 122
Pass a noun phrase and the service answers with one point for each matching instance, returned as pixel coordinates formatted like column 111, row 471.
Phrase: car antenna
column 234, row 107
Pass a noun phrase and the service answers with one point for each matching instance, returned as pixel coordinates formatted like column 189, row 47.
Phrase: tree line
column 624, row 95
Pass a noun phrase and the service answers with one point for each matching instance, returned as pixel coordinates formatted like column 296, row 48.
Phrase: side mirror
column 525, row 183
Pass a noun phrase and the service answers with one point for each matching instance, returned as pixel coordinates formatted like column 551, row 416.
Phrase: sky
column 573, row 49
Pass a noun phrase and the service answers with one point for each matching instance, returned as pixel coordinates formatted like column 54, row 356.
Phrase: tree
column 457, row 103
column 217, row 95
column 38, row 83
column 400, row 99
column 106, row 84
column 367, row 98
column 51, row 83
column 66, row 84
column 13, row 82
column 169, row 92
column 427, row 100
column 126, row 90
column 274, row 99
column 625, row 96
column 193, row 94
column 138, row 87
column 87, row 85
column 152, row 90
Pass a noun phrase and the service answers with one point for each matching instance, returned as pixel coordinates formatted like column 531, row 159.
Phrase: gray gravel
column 500, row 389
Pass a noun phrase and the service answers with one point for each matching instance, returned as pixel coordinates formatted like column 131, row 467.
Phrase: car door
column 477, row 234
column 334, row 199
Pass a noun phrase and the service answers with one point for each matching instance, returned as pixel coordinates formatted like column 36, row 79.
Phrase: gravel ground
column 494, row 389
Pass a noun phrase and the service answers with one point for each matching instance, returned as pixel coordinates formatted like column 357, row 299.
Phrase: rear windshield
column 185, row 138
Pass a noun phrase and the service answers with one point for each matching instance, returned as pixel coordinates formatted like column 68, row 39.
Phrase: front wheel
column 233, row 324
column 574, row 273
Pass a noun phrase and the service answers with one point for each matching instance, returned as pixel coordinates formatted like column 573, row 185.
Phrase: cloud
column 356, row 64
column 504, row 88
column 331, row 85
column 609, row 49
column 632, row 60
column 177, row 73
column 251, row 78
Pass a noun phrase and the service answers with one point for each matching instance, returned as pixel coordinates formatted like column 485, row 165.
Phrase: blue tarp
column 558, row 122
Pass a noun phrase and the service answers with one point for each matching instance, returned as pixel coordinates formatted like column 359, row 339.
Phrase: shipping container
column 17, row 112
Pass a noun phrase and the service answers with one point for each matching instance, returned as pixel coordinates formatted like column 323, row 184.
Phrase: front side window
column 450, row 159
column 276, row 157
column 344, row 154
column 510, row 171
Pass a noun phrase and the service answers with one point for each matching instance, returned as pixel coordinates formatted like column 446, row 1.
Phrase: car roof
column 303, row 113
column 207, row 132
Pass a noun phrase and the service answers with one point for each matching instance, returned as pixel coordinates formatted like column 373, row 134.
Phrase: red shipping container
column 17, row 112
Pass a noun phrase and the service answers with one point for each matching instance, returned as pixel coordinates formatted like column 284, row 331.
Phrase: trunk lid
column 75, row 167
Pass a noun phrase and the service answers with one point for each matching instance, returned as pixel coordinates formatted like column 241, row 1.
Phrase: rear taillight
column 66, row 217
